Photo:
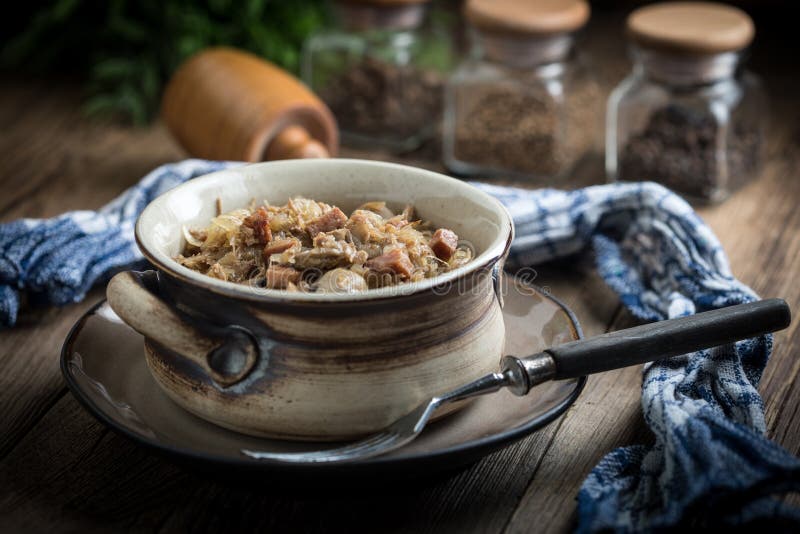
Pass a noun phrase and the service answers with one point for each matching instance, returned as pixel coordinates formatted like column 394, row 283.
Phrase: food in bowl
column 310, row 246
column 315, row 365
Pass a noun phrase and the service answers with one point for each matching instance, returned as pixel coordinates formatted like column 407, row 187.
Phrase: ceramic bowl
column 314, row 366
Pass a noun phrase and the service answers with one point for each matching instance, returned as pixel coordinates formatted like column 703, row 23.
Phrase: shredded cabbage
column 307, row 245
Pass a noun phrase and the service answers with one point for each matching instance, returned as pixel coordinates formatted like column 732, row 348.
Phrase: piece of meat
column 329, row 252
column 259, row 223
column 395, row 261
column 444, row 243
column 279, row 245
column 330, row 220
column 280, row 276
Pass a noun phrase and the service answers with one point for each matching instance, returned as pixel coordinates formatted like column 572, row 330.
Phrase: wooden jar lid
column 528, row 17
column 361, row 15
column 227, row 104
column 384, row 3
column 691, row 27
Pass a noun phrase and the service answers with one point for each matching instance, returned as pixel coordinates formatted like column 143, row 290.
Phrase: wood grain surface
column 61, row 470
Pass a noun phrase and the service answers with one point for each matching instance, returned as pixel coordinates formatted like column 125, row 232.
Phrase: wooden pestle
column 225, row 104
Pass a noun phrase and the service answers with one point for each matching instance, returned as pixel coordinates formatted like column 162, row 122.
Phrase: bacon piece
column 331, row 220
column 395, row 261
column 278, row 246
column 279, row 276
column 259, row 222
column 444, row 243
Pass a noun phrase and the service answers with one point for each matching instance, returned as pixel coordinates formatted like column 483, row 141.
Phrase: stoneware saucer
column 103, row 363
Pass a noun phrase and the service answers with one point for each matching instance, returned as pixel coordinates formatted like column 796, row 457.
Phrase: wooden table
column 62, row 470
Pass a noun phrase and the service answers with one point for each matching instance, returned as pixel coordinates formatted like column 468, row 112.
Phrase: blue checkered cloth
column 710, row 463
column 58, row 260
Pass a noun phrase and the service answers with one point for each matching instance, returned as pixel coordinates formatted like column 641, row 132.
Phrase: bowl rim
column 496, row 250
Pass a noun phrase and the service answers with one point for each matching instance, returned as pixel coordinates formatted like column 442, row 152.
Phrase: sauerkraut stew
column 311, row 246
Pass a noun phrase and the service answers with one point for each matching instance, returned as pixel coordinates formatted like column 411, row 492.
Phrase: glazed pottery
column 103, row 366
column 313, row 366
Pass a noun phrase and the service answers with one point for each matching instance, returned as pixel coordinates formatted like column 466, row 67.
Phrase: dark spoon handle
column 646, row 343
column 664, row 339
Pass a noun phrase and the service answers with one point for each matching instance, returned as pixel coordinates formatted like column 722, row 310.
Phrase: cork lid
column 531, row 17
column 691, row 27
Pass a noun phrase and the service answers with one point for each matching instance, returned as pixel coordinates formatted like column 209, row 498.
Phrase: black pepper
column 525, row 131
column 691, row 152
column 379, row 98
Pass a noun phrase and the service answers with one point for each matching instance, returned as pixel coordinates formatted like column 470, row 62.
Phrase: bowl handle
column 227, row 358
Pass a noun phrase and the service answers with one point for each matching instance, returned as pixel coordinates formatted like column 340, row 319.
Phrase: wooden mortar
column 225, row 104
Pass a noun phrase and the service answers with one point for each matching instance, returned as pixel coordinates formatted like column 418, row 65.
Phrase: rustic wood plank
column 607, row 415
column 54, row 161
column 31, row 382
column 760, row 230
column 73, row 473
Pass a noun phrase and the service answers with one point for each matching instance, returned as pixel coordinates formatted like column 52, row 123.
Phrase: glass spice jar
column 523, row 105
column 381, row 71
column 688, row 116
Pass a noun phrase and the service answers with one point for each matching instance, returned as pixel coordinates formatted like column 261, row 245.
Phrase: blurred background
column 123, row 51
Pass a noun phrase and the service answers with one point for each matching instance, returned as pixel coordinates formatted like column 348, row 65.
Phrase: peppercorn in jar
column 523, row 105
column 381, row 71
column 688, row 116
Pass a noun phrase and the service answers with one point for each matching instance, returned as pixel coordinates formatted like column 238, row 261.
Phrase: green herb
column 127, row 49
